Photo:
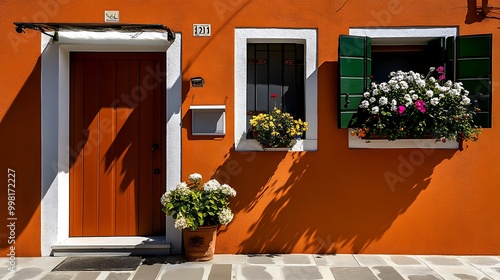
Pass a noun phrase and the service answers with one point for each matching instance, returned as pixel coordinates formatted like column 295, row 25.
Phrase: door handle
column 156, row 171
column 155, row 147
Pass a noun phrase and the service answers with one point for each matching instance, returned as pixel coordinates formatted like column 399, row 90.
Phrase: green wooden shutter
column 473, row 69
column 354, row 72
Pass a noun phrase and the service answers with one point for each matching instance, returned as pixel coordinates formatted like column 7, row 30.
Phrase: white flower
column 375, row 92
column 180, row 223
column 404, row 85
column 394, row 108
column 373, row 85
column 466, row 92
column 394, row 102
column 412, row 91
column 465, row 100
column 441, row 95
column 211, row 185
column 420, row 83
column 194, row 178
column 372, row 99
column 364, row 104
column 432, row 79
column 448, row 83
column 227, row 190
column 414, row 97
column 434, row 101
column 407, row 97
column 366, row 95
column 182, row 188
column 431, row 69
column 226, row 216
column 165, row 198
column 382, row 101
column 429, row 93
column 375, row 110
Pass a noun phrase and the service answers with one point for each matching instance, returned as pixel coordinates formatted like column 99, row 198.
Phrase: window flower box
column 414, row 106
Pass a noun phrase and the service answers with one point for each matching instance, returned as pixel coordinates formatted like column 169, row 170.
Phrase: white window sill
column 357, row 143
column 301, row 146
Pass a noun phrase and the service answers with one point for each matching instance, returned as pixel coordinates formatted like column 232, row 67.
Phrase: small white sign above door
column 111, row 16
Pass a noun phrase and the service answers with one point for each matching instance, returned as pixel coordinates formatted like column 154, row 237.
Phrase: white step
column 119, row 245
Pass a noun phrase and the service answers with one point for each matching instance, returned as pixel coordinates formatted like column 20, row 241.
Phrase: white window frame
column 308, row 37
column 402, row 36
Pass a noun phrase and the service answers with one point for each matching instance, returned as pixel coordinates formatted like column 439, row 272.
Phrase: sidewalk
column 288, row 266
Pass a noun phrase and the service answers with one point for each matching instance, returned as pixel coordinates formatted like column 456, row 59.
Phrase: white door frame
column 55, row 82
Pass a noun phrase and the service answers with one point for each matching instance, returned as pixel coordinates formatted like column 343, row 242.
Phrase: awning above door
column 46, row 27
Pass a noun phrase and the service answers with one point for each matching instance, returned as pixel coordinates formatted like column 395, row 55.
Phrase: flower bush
column 277, row 129
column 192, row 204
column 411, row 105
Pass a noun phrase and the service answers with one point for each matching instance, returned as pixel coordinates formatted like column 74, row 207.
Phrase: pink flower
column 401, row 109
column 442, row 77
column 420, row 106
column 440, row 69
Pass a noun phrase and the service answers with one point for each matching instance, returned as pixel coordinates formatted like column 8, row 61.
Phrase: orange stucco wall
column 333, row 200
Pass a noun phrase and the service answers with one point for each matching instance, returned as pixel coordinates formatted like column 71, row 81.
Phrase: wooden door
column 117, row 144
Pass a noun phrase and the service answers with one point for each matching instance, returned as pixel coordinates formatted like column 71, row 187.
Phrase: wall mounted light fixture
column 197, row 82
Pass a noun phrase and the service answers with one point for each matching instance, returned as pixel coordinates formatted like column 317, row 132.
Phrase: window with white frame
column 292, row 53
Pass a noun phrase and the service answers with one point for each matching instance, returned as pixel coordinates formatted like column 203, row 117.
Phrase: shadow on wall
column 323, row 202
column 20, row 159
column 473, row 14
column 334, row 200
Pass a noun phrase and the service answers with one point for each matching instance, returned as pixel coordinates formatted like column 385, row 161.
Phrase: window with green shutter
column 467, row 59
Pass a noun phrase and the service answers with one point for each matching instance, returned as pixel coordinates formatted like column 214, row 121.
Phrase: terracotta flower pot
column 199, row 245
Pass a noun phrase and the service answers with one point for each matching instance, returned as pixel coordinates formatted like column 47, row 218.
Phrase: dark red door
column 117, row 144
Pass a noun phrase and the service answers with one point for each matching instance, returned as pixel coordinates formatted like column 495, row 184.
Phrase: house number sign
column 202, row 30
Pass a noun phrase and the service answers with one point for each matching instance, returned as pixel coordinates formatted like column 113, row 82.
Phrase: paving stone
column 370, row 260
column 424, row 277
column 405, row 260
column 482, row 260
column 258, row 272
column 301, row 273
column 87, row 275
column 351, row 273
column 58, row 275
column 460, row 272
column 442, row 260
column 147, row 272
column 386, row 273
column 260, row 260
column 493, row 272
column 220, row 272
column 118, row 276
column 229, row 259
column 184, row 273
column 342, row 260
column 27, row 273
column 297, row 259
column 417, row 272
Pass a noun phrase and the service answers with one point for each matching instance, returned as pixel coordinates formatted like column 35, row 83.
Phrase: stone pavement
column 288, row 266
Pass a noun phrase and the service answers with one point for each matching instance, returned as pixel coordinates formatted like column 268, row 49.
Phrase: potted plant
column 277, row 129
column 411, row 105
column 198, row 210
